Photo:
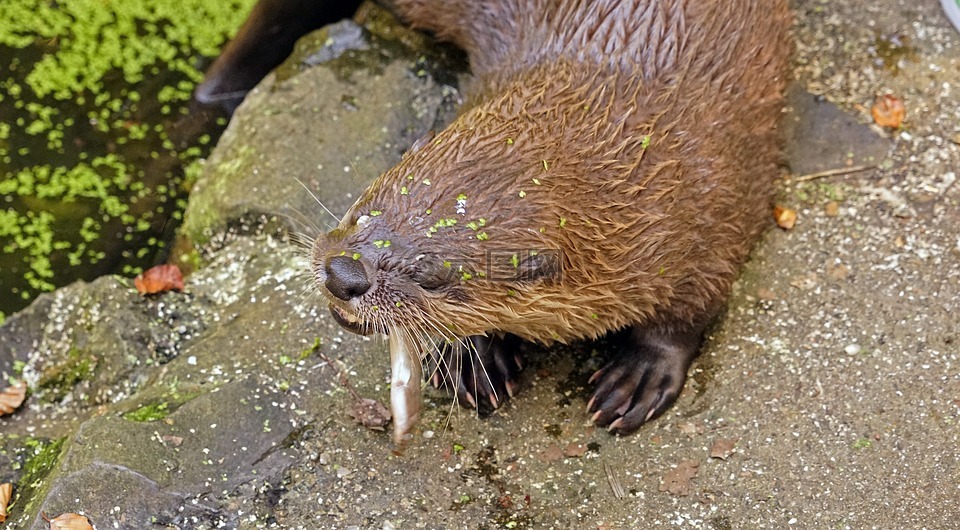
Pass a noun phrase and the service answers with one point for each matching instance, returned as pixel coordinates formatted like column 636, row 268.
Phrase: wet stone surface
column 831, row 385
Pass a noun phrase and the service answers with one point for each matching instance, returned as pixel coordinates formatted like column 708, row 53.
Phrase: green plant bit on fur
column 445, row 223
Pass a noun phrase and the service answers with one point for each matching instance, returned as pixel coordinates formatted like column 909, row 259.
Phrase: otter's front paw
column 481, row 371
column 643, row 380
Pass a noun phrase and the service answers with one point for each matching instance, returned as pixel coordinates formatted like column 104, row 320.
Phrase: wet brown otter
column 609, row 173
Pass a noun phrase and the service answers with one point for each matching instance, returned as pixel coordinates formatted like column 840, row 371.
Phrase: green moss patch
column 151, row 412
column 39, row 459
column 58, row 380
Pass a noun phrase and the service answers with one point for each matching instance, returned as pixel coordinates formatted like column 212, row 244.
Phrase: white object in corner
column 952, row 7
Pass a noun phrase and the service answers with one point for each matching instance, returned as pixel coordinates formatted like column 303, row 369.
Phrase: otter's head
column 449, row 243
column 456, row 240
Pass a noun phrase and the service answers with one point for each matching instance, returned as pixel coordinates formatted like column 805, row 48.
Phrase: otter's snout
column 346, row 277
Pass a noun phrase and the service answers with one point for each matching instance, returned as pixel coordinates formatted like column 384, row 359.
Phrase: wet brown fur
column 549, row 154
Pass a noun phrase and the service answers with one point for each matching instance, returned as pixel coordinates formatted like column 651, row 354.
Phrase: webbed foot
column 643, row 379
column 481, row 371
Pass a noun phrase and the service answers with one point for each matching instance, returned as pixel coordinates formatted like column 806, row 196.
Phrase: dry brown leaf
column 786, row 217
column 677, row 481
column 723, row 447
column 688, row 428
column 805, row 281
column 552, row 453
column 6, row 491
column 574, row 450
column 766, row 294
column 832, row 209
column 68, row 521
column 888, row 111
column 12, row 397
column 159, row 279
column 172, row 440
column 370, row 413
column 837, row 271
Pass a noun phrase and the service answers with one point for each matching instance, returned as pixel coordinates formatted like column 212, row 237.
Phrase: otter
column 609, row 172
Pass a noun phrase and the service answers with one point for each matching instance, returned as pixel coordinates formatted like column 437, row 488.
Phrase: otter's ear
column 422, row 141
column 540, row 265
column 525, row 266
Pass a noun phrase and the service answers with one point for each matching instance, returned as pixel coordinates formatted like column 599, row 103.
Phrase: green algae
column 96, row 38
column 92, row 165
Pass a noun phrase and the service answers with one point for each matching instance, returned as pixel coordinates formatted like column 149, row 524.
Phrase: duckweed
column 83, row 140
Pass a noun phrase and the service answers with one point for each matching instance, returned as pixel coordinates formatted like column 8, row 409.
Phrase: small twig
column 833, row 173
column 341, row 376
column 614, row 481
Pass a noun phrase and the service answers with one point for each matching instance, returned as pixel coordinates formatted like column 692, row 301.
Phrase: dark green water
column 99, row 142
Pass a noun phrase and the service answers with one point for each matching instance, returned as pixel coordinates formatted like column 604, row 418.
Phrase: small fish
column 405, row 391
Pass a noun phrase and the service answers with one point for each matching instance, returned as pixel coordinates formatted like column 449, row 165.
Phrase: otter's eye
column 430, row 274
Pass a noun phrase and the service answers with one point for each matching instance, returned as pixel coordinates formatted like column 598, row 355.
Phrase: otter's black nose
column 346, row 277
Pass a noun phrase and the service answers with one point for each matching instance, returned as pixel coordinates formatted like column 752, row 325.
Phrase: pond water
column 99, row 139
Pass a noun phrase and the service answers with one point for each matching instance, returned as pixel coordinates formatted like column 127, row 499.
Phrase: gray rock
column 822, row 137
column 308, row 133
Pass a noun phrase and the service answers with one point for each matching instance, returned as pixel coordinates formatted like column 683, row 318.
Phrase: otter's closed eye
column 431, row 274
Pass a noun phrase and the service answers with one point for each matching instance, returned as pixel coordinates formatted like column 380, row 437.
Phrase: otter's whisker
column 303, row 243
column 337, row 219
column 302, row 222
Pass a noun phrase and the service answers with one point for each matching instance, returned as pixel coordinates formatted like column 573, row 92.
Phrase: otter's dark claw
column 643, row 380
column 481, row 372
